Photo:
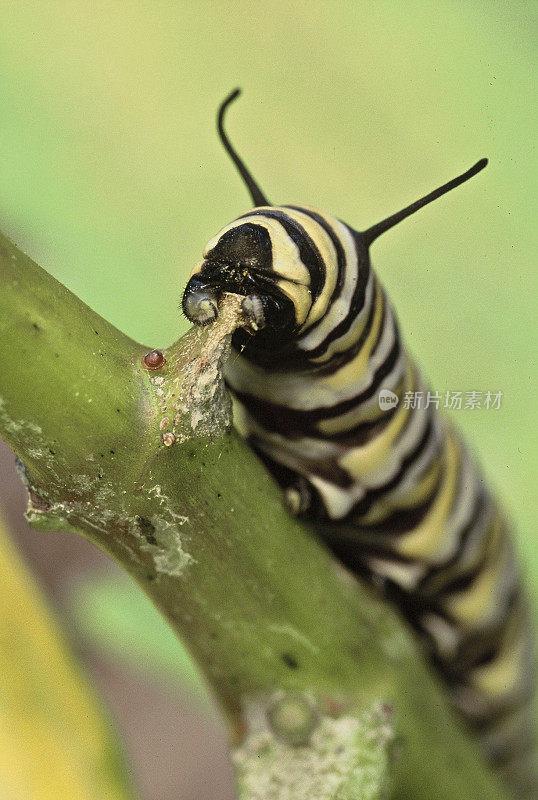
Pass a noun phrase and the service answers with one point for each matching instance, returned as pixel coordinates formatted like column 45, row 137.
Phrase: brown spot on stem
column 37, row 502
column 154, row 360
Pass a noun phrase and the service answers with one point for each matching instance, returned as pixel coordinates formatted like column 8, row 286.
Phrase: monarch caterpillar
column 392, row 488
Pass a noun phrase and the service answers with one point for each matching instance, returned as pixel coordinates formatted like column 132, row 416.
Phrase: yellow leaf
column 55, row 741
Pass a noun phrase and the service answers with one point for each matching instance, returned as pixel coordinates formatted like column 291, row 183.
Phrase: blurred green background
column 113, row 179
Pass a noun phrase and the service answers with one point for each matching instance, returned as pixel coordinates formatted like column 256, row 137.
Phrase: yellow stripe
column 197, row 268
column 345, row 342
column 420, row 492
column 357, row 415
column 502, row 676
column 475, row 604
column 439, row 580
column 351, row 372
column 376, row 513
column 300, row 297
column 327, row 251
column 383, row 508
column 427, row 537
column 490, row 539
column 352, row 336
column 359, row 462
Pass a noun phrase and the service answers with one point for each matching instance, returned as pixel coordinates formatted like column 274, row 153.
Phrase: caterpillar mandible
column 391, row 488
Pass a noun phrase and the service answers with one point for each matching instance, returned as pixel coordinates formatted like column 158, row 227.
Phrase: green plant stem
column 193, row 516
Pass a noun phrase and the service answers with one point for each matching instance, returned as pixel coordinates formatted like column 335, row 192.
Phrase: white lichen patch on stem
column 31, row 437
column 158, row 537
column 346, row 759
column 191, row 394
column 204, row 396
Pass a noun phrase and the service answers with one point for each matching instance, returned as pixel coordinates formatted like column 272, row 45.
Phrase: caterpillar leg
column 298, row 497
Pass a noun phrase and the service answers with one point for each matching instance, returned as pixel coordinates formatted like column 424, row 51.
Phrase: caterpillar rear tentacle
column 390, row 487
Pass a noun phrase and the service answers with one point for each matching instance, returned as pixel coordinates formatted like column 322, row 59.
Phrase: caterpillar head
column 239, row 261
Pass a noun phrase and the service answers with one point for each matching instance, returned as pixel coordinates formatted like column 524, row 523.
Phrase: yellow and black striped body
column 393, row 491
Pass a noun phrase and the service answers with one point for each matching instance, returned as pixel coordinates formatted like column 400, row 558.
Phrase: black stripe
column 291, row 358
column 401, row 520
column 308, row 251
column 465, row 580
column 521, row 745
column 498, row 714
column 436, row 573
column 294, row 422
column 362, row 433
column 351, row 549
column 479, row 645
column 340, row 359
column 362, row 265
column 327, row 469
column 340, row 255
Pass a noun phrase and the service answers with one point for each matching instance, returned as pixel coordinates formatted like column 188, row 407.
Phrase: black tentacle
column 256, row 193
